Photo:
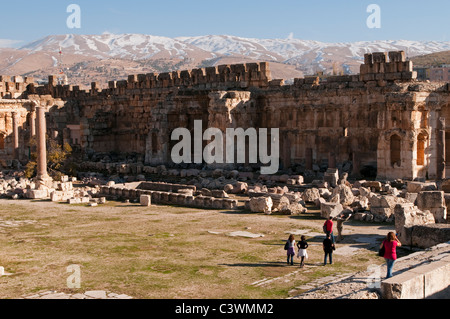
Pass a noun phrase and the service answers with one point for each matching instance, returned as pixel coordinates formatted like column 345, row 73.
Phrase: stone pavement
column 94, row 294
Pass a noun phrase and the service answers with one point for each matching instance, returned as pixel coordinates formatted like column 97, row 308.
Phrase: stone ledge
column 418, row 283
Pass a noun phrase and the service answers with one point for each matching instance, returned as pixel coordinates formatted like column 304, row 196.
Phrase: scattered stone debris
column 94, row 294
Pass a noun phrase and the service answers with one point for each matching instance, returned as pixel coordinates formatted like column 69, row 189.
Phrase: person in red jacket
column 390, row 251
column 328, row 228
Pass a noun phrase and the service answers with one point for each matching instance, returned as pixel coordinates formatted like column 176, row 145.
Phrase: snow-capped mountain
column 123, row 46
column 140, row 46
column 291, row 48
column 307, row 56
column 113, row 56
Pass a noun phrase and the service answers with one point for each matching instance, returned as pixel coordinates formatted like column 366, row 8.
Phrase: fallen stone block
column 72, row 201
column 261, row 205
column 345, row 194
column 298, row 179
column 372, row 185
column 217, row 193
column 311, row 195
column 328, row 210
column 239, row 188
column 229, row 203
column 434, row 201
column 145, row 200
column 408, row 215
column 331, row 176
column 417, row 187
column 293, row 209
column 37, row 194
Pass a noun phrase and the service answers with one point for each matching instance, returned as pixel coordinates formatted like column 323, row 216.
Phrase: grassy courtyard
column 167, row 252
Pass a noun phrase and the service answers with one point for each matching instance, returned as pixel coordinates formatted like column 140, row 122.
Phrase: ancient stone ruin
column 362, row 144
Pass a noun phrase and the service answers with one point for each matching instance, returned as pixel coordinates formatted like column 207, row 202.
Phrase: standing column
column 440, row 152
column 15, row 121
column 32, row 122
column 41, row 147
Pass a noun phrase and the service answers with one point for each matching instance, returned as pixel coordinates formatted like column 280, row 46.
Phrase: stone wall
column 381, row 119
column 168, row 198
column 15, row 130
column 12, row 87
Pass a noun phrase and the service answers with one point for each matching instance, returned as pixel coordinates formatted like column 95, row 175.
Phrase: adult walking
column 328, row 228
column 340, row 224
column 328, row 247
column 390, row 251
column 302, row 245
column 290, row 247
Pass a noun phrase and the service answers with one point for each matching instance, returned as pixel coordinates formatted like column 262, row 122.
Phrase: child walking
column 302, row 245
column 290, row 249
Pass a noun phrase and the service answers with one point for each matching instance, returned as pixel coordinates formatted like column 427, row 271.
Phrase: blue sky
column 322, row 20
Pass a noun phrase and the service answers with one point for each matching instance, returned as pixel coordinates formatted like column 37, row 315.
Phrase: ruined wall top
column 379, row 69
column 217, row 77
column 387, row 66
column 12, row 87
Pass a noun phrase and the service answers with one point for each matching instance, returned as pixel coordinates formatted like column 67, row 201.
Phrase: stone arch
column 396, row 149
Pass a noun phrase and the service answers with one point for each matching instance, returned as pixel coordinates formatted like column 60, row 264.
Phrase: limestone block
column 311, row 195
column 72, row 201
column 361, row 203
column 186, row 191
column 433, row 201
column 219, row 193
column 445, row 186
column 411, row 197
column 37, row 194
column 325, row 193
column 328, row 210
column 429, row 235
column 229, row 203
column 403, row 286
column 345, row 194
column 430, row 199
column 293, row 209
column 61, row 196
column 279, row 202
column 331, row 176
column 418, row 283
column 363, row 191
column 373, row 185
column 239, row 188
column 417, row 187
column 261, row 205
column 298, row 179
column 319, row 201
column 145, row 200
column 291, row 181
column 408, row 215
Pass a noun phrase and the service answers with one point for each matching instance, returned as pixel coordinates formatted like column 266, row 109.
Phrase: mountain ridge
column 88, row 58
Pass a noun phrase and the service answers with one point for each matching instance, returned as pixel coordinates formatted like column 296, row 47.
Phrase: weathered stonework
column 381, row 119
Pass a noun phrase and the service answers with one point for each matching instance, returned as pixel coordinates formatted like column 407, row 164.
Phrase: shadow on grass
column 259, row 264
column 238, row 212
column 307, row 216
